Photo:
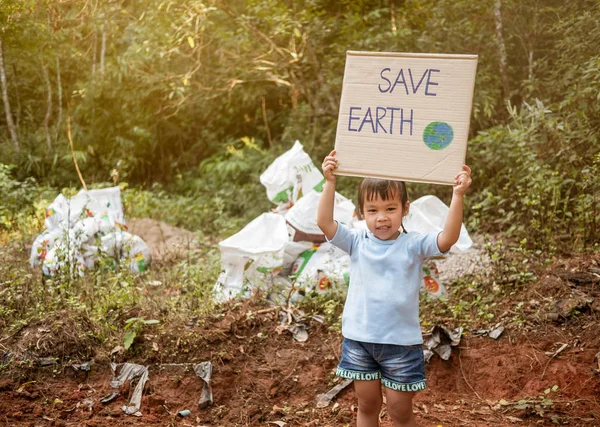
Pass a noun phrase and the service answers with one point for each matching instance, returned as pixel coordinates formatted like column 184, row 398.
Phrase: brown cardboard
column 399, row 110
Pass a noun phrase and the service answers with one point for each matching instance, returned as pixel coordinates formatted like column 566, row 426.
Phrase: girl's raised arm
column 451, row 231
column 327, row 201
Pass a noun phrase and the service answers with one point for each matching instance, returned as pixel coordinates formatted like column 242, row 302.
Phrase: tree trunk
column 9, row 120
column 530, row 65
column 59, row 100
column 17, row 96
column 393, row 16
column 502, row 48
column 49, row 107
column 94, row 52
column 102, row 51
column 264, row 112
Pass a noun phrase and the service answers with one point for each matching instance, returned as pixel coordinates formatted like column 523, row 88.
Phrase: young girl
column 380, row 323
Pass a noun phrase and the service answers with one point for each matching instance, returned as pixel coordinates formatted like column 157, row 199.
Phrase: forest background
column 185, row 103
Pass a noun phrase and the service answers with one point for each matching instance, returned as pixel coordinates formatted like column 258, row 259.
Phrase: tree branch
column 49, row 104
column 59, row 100
column 502, row 47
column 9, row 120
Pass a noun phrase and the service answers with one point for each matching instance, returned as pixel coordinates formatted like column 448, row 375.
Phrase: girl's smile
column 384, row 217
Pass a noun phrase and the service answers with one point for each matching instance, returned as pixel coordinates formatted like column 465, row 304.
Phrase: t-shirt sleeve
column 425, row 245
column 344, row 238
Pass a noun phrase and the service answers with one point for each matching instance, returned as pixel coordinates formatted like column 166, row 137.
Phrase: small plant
column 510, row 263
column 536, row 405
column 134, row 326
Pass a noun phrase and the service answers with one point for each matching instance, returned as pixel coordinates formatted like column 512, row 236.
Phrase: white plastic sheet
column 252, row 256
column 267, row 253
column 428, row 214
column 84, row 228
column 303, row 215
column 321, row 268
column 290, row 176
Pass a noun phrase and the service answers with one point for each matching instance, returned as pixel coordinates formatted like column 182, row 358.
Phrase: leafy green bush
column 537, row 176
column 525, row 189
column 16, row 196
column 22, row 206
column 217, row 199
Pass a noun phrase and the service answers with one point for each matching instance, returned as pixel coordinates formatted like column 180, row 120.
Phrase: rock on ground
column 457, row 264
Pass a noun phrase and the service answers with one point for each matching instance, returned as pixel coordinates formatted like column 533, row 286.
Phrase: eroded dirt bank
column 263, row 376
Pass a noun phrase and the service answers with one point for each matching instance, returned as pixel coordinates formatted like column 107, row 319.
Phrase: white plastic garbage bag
column 51, row 262
column 291, row 175
column 137, row 255
column 321, row 268
column 86, row 229
column 252, row 257
column 64, row 212
column 303, row 215
column 57, row 213
column 428, row 214
column 291, row 253
column 91, row 203
column 43, row 243
column 83, row 228
column 65, row 253
column 431, row 284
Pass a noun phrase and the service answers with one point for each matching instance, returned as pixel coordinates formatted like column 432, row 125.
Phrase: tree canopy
column 157, row 89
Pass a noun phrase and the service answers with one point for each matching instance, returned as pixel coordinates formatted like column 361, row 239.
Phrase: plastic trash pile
column 83, row 229
column 285, row 253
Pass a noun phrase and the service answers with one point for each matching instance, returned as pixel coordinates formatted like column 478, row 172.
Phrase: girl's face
column 384, row 217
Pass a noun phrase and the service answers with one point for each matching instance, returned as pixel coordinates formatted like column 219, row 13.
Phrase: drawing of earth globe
column 438, row 135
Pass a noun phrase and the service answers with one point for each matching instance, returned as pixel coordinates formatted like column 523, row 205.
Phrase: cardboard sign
column 405, row 116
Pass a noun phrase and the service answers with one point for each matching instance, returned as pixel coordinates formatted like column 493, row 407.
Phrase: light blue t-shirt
column 382, row 305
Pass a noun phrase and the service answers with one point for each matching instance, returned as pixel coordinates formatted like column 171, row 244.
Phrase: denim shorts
column 399, row 367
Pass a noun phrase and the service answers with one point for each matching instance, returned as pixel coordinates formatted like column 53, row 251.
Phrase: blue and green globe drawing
column 438, row 135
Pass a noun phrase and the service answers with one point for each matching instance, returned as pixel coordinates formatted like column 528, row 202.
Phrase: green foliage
column 328, row 304
column 529, row 190
column 536, row 177
column 538, row 405
column 509, row 263
column 165, row 92
column 23, row 205
column 16, row 196
column 217, row 199
column 477, row 300
column 134, row 328
column 105, row 295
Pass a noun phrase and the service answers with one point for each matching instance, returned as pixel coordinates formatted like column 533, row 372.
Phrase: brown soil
column 165, row 241
column 63, row 336
column 262, row 376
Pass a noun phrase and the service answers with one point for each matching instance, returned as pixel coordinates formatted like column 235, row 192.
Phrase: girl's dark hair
column 385, row 189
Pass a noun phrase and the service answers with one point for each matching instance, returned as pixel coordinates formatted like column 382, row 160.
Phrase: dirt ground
column 165, row 241
column 261, row 376
column 542, row 371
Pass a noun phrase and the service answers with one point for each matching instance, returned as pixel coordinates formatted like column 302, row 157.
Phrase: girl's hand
column 330, row 164
column 462, row 181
